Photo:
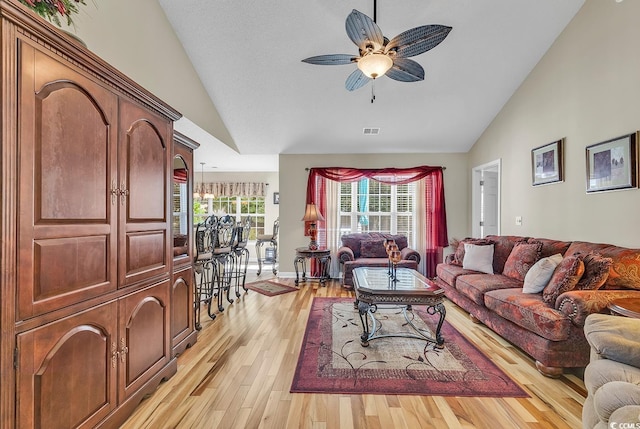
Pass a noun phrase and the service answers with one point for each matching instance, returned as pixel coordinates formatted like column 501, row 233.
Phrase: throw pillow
column 596, row 271
column 539, row 275
column 564, row 278
column 478, row 258
column 373, row 249
column 458, row 257
column 523, row 256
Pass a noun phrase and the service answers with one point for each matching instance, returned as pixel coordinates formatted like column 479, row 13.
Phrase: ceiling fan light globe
column 375, row 65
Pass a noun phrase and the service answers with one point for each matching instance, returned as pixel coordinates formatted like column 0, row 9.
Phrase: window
column 370, row 206
column 180, row 208
column 238, row 207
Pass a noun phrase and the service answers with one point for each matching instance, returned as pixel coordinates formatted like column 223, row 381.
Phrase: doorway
column 485, row 199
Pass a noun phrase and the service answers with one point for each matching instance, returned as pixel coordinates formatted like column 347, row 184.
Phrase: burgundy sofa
column 551, row 333
column 366, row 249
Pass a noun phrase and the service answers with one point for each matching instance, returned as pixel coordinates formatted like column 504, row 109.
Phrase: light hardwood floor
column 239, row 372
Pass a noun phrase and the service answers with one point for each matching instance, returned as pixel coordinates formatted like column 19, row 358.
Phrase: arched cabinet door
column 67, row 371
column 67, row 162
column 144, row 154
column 182, row 317
column 144, row 336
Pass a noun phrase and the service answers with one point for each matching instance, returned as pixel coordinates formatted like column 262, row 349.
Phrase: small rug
column 333, row 361
column 270, row 287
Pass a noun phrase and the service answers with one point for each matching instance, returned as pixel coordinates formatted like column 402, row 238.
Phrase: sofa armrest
column 345, row 254
column 409, row 254
column 578, row 304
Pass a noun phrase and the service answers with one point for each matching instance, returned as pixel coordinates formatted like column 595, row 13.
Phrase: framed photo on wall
column 547, row 163
column 276, row 198
column 611, row 164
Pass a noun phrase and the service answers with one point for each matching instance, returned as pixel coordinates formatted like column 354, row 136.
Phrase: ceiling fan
column 380, row 56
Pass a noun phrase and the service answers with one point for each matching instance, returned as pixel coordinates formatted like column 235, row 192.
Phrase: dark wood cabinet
column 183, row 333
column 87, row 279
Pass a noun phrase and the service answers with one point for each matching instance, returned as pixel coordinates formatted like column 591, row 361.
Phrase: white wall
column 136, row 38
column 587, row 90
column 293, row 188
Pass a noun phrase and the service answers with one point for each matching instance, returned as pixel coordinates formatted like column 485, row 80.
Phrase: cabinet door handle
column 114, row 355
column 123, row 350
column 124, row 192
column 115, row 191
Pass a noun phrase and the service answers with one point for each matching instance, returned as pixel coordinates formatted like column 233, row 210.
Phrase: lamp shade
column 375, row 65
column 311, row 214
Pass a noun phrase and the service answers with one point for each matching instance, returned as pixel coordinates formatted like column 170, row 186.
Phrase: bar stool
column 240, row 254
column 271, row 252
column 202, row 267
column 222, row 264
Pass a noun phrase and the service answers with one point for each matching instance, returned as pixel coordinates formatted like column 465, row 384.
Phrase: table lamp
column 312, row 215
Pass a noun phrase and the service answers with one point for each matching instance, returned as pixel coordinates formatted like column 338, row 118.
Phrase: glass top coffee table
column 375, row 287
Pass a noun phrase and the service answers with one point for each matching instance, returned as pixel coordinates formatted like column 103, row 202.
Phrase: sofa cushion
column 530, row 312
column 564, row 278
column 523, row 256
column 625, row 268
column 373, row 248
column 449, row 272
column 539, row 275
column 474, row 286
column 352, row 241
column 503, row 244
column 478, row 258
column 614, row 337
column 596, row 271
column 551, row 247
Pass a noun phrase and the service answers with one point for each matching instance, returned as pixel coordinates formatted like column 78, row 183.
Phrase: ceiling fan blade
column 418, row 40
column 331, row 59
column 405, row 70
column 363, row 31
column 356, row 80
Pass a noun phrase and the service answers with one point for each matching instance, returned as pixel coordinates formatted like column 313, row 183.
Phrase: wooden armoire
column 87, row 279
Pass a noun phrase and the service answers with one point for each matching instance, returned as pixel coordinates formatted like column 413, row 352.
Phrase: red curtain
column 180, row 175
column 436, row 214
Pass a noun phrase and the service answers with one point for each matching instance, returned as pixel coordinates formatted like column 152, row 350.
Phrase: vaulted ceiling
column 248, row 57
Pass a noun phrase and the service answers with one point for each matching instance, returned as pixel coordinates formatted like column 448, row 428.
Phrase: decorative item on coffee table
column 394, row 256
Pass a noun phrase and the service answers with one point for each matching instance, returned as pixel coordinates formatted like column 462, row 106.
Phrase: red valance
column 436, row 214
column 392, row 176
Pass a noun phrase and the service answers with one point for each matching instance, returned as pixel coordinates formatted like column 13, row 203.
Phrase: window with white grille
column 371, row 206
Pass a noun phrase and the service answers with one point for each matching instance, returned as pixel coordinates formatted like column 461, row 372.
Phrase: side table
column 629, row 307
column 323, row 256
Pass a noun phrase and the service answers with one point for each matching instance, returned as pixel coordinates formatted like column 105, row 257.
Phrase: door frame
column 476, row 193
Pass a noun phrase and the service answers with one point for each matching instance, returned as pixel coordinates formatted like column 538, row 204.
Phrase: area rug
column 333, row 361
column 270, row 287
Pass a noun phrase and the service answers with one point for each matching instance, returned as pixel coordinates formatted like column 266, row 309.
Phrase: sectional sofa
column 548, row 327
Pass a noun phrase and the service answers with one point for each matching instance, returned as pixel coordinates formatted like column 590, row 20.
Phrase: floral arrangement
column 54, row 9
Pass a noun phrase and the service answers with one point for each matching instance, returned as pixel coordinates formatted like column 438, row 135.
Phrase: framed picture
column 612, row 164
column 547, row 163
column 276, row 198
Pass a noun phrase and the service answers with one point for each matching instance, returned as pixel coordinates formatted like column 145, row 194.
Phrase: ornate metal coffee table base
column 374, row 287
column 367, row 311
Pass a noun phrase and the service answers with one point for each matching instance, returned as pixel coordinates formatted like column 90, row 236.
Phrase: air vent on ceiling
column 371, row 131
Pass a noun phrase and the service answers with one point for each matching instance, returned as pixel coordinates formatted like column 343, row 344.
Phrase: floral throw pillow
column 596, row 271
column 564, row 278
column 523, row 256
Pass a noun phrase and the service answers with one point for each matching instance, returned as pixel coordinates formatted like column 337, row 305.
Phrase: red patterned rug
column 270, row 287
column 333, row 361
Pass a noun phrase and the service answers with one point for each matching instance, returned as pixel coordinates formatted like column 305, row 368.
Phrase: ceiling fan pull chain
column 373, row 91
